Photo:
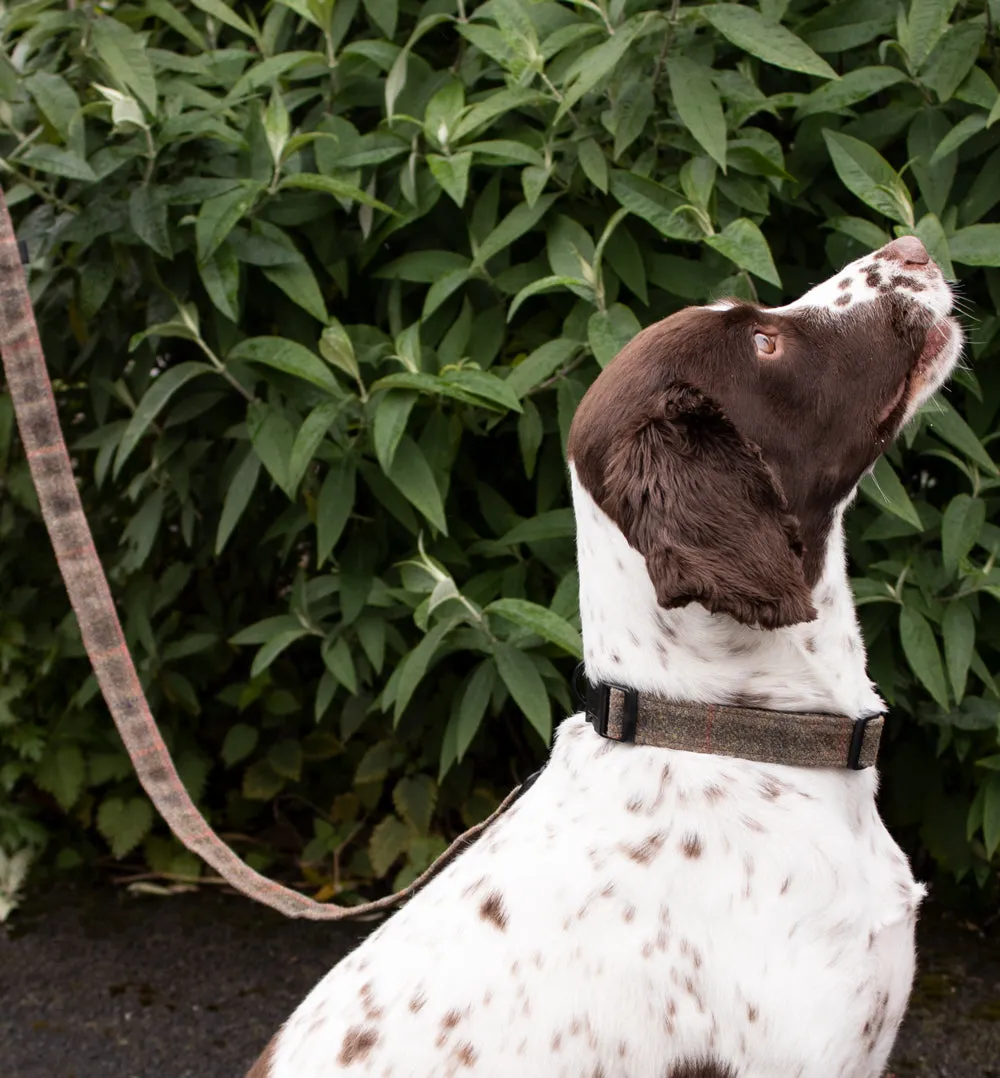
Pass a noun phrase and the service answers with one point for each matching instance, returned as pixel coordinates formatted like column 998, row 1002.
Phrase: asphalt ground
column 99, row 983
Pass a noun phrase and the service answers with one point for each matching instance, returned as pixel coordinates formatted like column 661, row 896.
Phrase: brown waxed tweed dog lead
column 62, row 510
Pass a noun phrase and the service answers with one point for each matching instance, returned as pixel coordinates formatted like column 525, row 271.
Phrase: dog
column 647, row 912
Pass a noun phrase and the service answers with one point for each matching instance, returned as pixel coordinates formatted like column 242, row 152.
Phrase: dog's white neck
column 693, row 655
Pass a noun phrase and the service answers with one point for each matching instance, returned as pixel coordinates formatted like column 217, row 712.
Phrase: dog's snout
column 908, row 250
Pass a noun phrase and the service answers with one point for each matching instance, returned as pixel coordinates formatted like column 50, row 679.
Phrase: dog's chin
column 937, row 358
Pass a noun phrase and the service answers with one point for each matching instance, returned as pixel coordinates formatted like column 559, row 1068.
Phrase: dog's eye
column 764, row 343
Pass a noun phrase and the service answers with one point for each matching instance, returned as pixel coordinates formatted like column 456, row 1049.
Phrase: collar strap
column 796, row 739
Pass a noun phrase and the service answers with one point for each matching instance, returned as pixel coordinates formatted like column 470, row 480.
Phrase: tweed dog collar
column 793, row 738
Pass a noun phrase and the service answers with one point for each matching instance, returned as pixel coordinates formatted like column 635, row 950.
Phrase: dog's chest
column 634, row 909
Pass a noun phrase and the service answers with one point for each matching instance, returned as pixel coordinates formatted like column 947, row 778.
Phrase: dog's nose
column 908, row 250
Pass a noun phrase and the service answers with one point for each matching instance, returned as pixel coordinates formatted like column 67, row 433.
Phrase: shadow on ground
column 95, row 983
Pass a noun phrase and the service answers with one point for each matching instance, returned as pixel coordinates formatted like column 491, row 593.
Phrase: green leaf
column 240, row 741
column 414, row 666
column 56, row 100
column 329, row 185
column 948, row 425
column 609, row 331
column 154, row 400
column 220, row 10
column 594, row 163
column 124, row 824
column 543, row 284
column 261, row 782
column 391, row 416
column 298, row 282
column 272, row 436
column 977, row 245
column 337, row 656
column 698, row 104
column 472, row 706
column 595, row 64
column 452, row 173
column 390, row 840
column 123, row 53
column 237, row 498
column 530, row 432
column 218, row 216
column 543, row 362
column 286, row 759
column 926, row 21
column 742, row 242
column 525, row 685
column 748, row 30
column 521, row 219
column 953, row 58
column 555, row 524
column 309, row 438
column 262, row 631
column 960, row 527
column 336, row 348
column 412, row 476
column 61, row 773
column 921, row 651
column 220, row 274
column 274, row 647
column 147, row 211
column 958, row 627
column 867, row 174
column 633, row 106
column 541, row 621
column 958, row 136
column 991, row 815
column 855, row 86
column 415, row 798
column 653, row 203
column 934, row 178
column 883, row 488
column 333, row 506
column 290, row 358
column 58, row 162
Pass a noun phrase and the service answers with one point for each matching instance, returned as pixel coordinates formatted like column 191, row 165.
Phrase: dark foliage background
column 321, row 286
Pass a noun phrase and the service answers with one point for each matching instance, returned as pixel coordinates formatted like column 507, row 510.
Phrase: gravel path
column 96, row 983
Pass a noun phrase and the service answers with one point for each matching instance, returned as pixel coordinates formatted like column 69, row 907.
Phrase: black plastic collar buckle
column 857, row 743
column 596, row 701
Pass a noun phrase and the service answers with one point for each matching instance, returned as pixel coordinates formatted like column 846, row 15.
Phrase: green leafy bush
column 321, row 286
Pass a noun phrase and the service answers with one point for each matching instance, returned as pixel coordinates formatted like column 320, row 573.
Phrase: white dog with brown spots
column 646, row 912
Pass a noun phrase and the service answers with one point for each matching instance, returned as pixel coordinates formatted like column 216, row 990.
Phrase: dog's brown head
column 723, row 440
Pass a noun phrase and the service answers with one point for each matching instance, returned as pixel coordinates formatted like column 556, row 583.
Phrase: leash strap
column 87, row 585
column 796, row 739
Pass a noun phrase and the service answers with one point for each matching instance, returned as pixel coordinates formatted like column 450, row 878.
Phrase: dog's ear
column 698, row 501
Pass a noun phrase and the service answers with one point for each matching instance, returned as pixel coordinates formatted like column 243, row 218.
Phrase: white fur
column 638, row 907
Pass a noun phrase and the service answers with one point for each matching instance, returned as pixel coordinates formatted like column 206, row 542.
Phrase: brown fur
column 262, row 1067
column 704, row 1069
column 724, row 469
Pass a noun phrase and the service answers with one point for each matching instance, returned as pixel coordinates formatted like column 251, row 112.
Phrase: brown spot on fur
column 494, row 911
column 771, row 788
column 634, row 804
column 644, row 853
column 262, row 1067
column 752, row 1013
column 842, row 301
column 786, row 884
column 911, row 283
column 451, row 1019
column 628, row 913
column 810, row 644
column 691, row 846
column 466, row 1054
column 845, row 283
column 358, row 1042
column 714, row 793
